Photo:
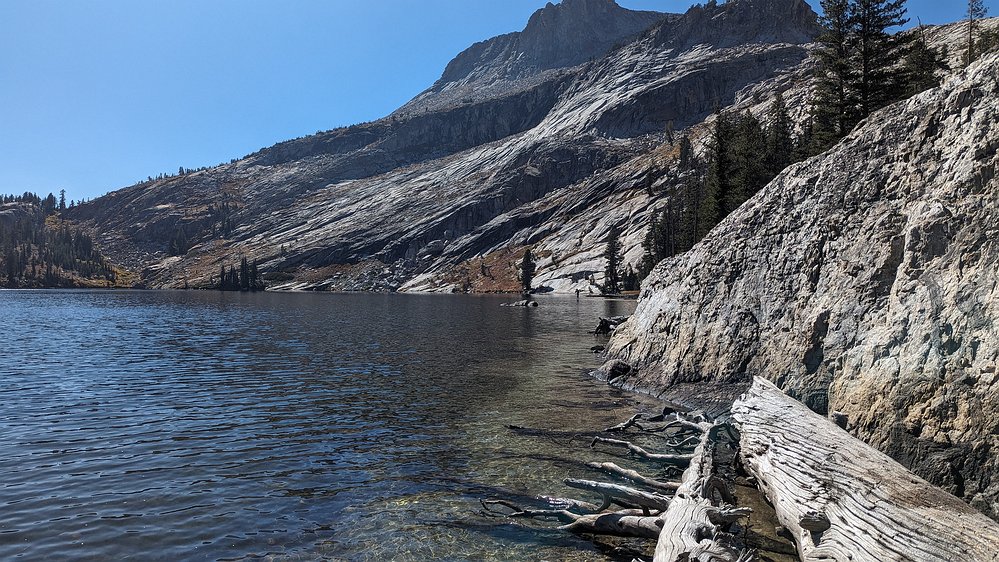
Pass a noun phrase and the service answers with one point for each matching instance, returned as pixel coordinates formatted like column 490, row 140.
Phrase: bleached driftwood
column 843, row 500
column 634, row 476
column 694, row 528
column 691, row 526
column 621, row 523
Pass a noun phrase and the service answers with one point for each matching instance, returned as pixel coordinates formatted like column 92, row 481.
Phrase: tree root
column 677, row 460
column 634, row 476
column 690, row 520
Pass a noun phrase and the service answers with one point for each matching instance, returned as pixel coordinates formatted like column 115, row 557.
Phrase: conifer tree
column 976, row 11
column 780, row 145
column 748, row 160
column 922, row 65
column 612, row 254
column 629, row 281
column 718, row 181
column 244, row 275
column 687, row 157
column 255, row 283
column 876, row 53
column 833, row 108
column 527, row 270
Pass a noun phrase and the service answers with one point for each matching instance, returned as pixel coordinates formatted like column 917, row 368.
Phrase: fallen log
column 843, row 500
column 694, row 529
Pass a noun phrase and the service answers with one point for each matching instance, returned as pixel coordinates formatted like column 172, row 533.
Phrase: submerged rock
column 608, row 325
column 523, row 303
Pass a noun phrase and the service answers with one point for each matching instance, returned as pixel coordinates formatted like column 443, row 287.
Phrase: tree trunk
column 692, row 527
column 843, row 500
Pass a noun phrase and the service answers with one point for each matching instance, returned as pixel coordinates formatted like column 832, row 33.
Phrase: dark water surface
column 205, row 426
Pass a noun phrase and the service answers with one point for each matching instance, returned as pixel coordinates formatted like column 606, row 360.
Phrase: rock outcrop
column 863, row 282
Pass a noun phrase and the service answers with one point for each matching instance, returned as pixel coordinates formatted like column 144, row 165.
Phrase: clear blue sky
column 97, row 95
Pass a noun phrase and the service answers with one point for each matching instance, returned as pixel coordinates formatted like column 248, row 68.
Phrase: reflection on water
column 206, row 426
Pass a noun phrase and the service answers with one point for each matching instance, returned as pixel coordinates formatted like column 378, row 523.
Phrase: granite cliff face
column 554, row 147
column 863, row 281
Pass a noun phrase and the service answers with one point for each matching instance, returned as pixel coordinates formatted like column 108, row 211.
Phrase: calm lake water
column 210, row 426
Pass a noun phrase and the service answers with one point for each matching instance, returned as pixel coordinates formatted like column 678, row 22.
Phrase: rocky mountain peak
column 558, row 36
column 740, row 22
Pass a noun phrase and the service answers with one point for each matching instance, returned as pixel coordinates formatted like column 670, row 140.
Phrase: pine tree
column 922, row 65
column 833, row 106
column 780, row 146
column 630, row 280
column 223, row 286
column 62, row 200
column 612, row 254
column 687, row 157
column 976, row 11
column 244, row 275
column 876, row 53
column 255, row 282
column 527, row 270
column 748, row 161
column 718, row 181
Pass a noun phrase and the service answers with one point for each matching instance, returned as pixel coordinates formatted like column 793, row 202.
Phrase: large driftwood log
column 846, row 501
column 693, row 527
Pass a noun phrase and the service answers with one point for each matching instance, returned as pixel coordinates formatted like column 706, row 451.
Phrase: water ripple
column 203, row 426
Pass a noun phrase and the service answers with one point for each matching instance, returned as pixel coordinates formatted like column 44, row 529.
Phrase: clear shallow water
column 208, row 426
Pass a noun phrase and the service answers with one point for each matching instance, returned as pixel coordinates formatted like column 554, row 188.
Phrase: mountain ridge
column 292, row 203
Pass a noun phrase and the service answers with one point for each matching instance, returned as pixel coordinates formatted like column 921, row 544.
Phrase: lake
column 227, row 426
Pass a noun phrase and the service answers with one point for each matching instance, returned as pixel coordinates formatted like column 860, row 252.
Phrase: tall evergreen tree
column 748, row 158
column 780, row 137
column 718, row 181
column 244, row 275
column 923, row 65
column 833, row 107
column 876, row 53
column 687, row 157
column 976, row 11
column 255, row 282
column 62, row 200
column 612, row 254
column 527, row 270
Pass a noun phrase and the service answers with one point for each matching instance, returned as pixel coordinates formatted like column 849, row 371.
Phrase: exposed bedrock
column 863, row 282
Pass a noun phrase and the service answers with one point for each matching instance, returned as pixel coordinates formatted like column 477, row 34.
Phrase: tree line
column 37, row 251
column 246, row 278
column 861, row 68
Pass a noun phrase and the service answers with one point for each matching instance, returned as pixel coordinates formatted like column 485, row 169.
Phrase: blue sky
column 97, row 95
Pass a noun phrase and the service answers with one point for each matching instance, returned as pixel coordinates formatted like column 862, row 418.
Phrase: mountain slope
column 862, row 281
column 404, row 201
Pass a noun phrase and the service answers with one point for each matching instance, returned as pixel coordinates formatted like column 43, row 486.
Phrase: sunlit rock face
column 863, row 281
column 544, row 138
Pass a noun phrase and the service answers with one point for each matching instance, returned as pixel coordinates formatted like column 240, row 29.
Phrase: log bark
column 843, row 500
